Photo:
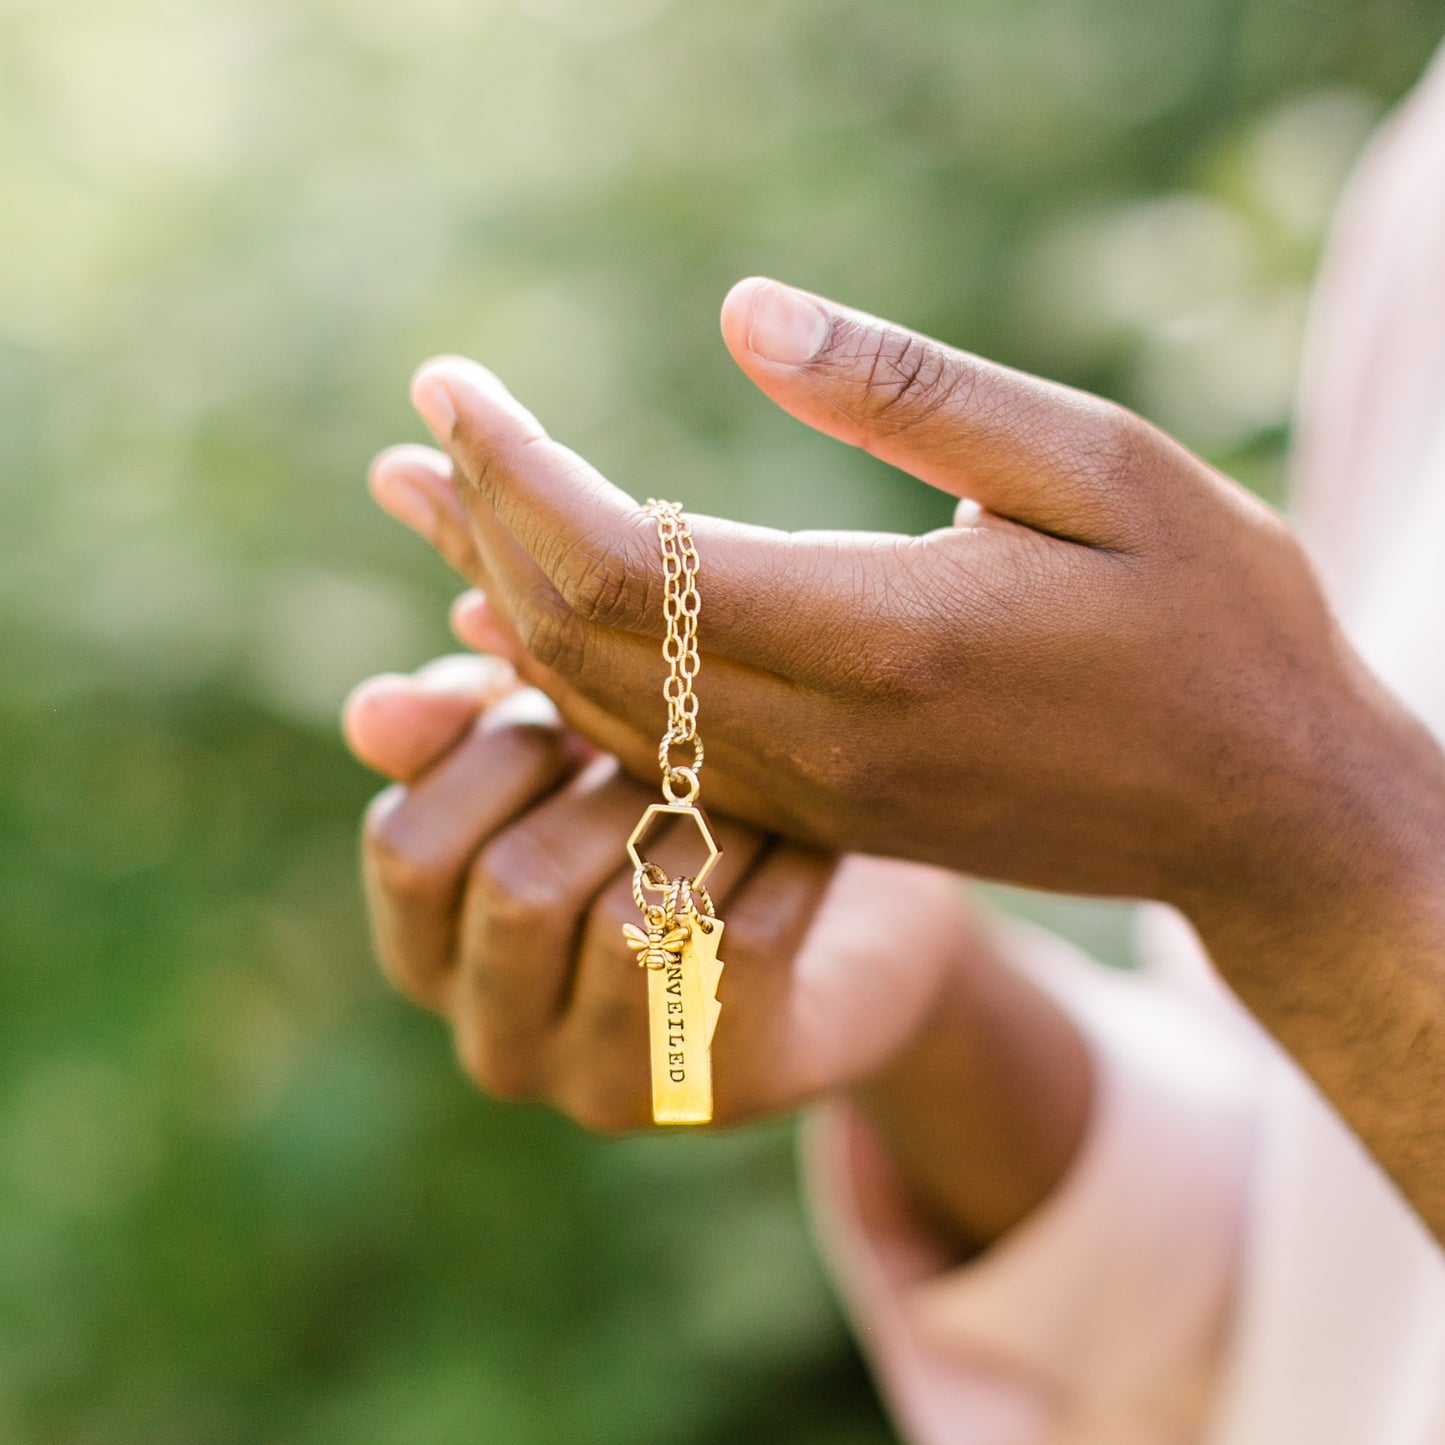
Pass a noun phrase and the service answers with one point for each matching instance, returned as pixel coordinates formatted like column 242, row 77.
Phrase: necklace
column 681, row 933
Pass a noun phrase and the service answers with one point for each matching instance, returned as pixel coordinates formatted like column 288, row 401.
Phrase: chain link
column 681, row 603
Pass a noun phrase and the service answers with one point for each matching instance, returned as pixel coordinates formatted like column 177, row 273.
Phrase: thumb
column 1055, row 459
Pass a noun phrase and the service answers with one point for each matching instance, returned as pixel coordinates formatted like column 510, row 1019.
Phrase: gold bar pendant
column 683, row 1010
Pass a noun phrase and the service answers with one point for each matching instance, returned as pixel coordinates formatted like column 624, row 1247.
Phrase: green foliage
column 246, row 1196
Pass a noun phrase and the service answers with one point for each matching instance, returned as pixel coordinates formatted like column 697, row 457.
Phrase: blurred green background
column 244, row 1193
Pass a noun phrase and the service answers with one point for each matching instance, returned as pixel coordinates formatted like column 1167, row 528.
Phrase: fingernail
column 472, row 603
column 408, row 504
column 449, row 385
column 785, row 327
column 967, row 512
column 472, row 673
column 432, row 399
column 475, row 624
column 369, row 687
column 526, row 707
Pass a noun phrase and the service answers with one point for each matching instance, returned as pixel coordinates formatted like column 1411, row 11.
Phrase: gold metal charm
column 659, row 947
column 678, row 944
column 683, row 1011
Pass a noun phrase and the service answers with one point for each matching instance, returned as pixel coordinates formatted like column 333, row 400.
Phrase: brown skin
column 498, row 899
column 1119, row 677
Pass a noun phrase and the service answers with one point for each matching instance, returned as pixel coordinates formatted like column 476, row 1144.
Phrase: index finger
column 560, row 540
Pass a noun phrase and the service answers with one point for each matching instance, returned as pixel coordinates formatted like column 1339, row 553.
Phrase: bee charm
column 661, row 945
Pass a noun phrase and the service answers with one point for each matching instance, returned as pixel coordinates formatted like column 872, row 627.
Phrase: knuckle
column 604, row 926
column 613, row 1018
column 763, row 933
column 1115, row 446
column 394, row 849
column 405, row 974
column 1097, row 451
column 553, row 634
column 606, row 580
column 907, row 379
column 595, row 585
column 518, row 880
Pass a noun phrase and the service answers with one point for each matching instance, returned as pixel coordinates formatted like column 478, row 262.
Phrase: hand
column 498, row 889
column 1118, row 677
column 499, row 884
column 1116, row 674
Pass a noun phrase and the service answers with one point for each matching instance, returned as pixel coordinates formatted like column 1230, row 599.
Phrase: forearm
column 984, row 1110
column 1341, row 953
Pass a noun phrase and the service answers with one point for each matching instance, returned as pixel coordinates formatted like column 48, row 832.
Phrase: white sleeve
column 1100, row 1318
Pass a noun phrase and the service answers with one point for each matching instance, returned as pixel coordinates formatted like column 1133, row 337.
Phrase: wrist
column 1343, row 958
column 984, row 1107
column 1347, row 853
column 1335, row 938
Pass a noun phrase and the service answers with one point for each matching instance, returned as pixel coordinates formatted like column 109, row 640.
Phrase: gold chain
column 681, row 603
column 680, row 783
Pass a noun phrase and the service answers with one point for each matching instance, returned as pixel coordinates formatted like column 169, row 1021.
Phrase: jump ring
column 649, row 875
column 669, row 786
column 675, row 737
